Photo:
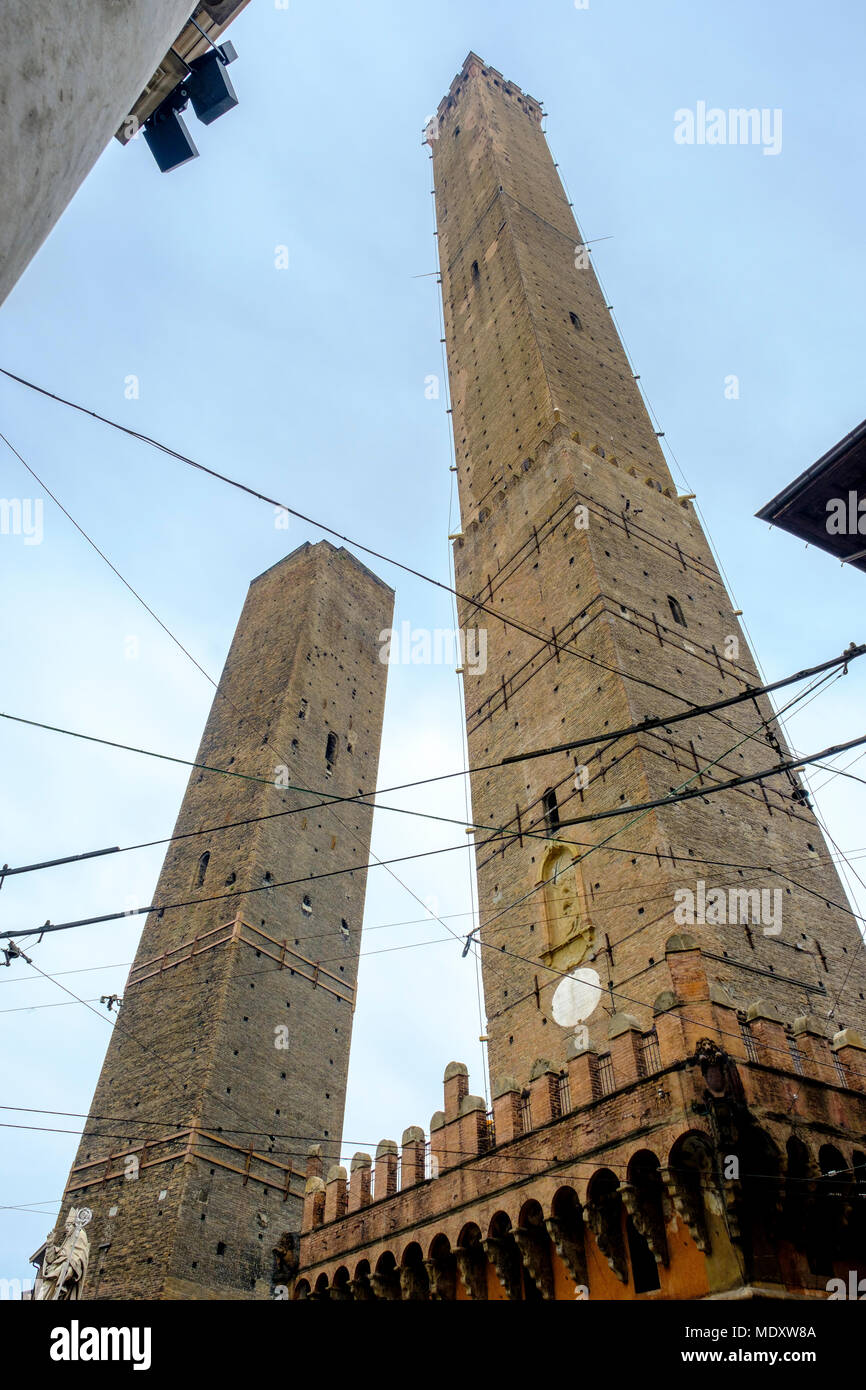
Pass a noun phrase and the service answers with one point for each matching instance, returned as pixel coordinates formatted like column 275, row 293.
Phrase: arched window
column 676, row 611
column 575, row 321
column 551, row 812
column 202, row 868
column 476, row 273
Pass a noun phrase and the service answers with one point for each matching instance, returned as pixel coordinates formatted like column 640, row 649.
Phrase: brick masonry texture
column 547, row 419
column 603, row 1155
column 220, row 983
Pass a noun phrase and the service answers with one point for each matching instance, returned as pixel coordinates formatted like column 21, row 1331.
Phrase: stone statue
column 64, row 1264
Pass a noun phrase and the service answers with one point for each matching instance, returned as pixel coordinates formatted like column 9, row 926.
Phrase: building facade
column 231, row 1047
column 673, row 992
column 72, row 75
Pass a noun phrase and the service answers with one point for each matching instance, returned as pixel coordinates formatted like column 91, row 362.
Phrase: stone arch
column 441, row 1266
column 566, row 1230
column 564, row 1203
column 500, row 1224
column 362, row 1289
column 690, row 1171
column 798, row 1204
column 385, row 1279
column 302, row 1289
column 322, row 1290
column 471, row 1263
column 533, row 1242
column 414, row 1280
column 501, row 1250
column 341, row 1290
column 644, row 1198
column 604, row 1216
column 832, row 1206
column 440, row 1246
column 757, row 1204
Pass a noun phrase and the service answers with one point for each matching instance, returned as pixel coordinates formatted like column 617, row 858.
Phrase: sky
column 271, row 310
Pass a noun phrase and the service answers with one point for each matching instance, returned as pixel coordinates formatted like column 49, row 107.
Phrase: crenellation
column 412, row 1157
column 360, row 1182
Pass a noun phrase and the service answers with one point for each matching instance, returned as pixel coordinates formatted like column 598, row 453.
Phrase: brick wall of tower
column 216, row 981
column 507, row 243
column 547, row 419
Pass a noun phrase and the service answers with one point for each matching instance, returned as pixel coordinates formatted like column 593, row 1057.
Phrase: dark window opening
column 676, row 611
column 643, row 1266
column 575, row 321
column 331, row 751
column 476, row 273
column 202, row 868
column 551, row 811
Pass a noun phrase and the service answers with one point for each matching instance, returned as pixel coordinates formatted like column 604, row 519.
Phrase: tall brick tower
column 573, row 528
column 231, row 1049
column 673, row 994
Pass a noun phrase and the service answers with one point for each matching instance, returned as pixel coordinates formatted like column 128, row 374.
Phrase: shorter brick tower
column 231, row 1049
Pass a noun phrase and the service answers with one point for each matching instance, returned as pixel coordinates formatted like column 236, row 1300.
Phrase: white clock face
column 576, row 997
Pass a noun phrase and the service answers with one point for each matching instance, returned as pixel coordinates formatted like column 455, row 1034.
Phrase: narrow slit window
column 331, row 750
column 202, row 869
column 551, row 811
column 575, row 321
column 676, row 611
column 476, row 273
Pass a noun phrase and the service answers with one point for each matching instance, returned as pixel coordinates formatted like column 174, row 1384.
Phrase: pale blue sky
column 309, row 383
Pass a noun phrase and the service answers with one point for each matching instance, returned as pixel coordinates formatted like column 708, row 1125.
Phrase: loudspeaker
column 209, row 87
column 167, row 137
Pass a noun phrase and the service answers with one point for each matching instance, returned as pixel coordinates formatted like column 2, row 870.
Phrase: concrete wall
column 69, row 76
